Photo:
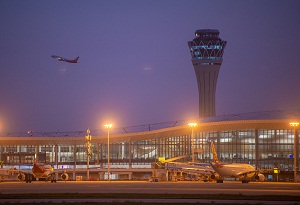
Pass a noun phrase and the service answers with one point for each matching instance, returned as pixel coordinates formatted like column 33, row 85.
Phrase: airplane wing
column 54, row 56
column 197, row 170
column 58, row 58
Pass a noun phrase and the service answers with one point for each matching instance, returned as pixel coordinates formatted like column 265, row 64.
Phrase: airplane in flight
column 64, row 59
column 234, row 170
column 42, row 171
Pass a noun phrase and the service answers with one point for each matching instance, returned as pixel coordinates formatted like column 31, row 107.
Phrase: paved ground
column 253, row 188
column 152, row 201
column 143, row 187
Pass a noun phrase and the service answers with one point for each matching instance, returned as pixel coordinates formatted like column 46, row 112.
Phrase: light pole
column 88, row 144
column 296, row 148
column 192, row 125
column 108, row 126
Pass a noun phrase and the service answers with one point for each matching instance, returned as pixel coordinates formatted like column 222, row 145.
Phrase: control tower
column 207, row 50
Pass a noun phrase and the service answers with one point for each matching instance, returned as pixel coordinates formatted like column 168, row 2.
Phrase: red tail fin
column 76, row 59
column 37, row 169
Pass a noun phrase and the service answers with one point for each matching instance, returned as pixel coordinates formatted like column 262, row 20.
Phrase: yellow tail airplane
column 234, row 170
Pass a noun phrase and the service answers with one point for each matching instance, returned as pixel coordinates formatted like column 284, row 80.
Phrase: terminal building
column 263, row 139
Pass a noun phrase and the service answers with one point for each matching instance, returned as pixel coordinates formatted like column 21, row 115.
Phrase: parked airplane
column 64, row 59
column 234, row 170
column 42, row 171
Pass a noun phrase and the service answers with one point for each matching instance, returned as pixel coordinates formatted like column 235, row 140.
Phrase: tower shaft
column 207, row 51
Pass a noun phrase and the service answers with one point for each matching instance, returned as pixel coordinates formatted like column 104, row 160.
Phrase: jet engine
column 214, row 176
column 64, row 176
column 21, row 177
column 260, row 177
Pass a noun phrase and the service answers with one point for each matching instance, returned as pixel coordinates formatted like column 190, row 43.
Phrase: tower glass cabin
column 207, row 55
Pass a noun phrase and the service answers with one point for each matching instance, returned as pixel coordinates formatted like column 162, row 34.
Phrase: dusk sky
column 135, row 67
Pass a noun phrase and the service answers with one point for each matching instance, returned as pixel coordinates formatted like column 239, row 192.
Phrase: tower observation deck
column 207, row 51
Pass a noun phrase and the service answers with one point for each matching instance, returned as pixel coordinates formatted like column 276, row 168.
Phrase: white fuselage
column 234, row 170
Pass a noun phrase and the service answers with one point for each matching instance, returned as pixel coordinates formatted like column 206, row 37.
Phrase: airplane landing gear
column 28, row 178
column 245, row 181
column 51, row 178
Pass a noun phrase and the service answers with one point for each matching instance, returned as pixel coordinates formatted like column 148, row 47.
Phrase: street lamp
column 192, row 125
column 296, row 148
column 88, row 144
column 108, row 126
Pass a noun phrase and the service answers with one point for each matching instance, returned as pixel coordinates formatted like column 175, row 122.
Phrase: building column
column 122, row 150
column 130, row 155
column 1, row 151
column 56, row 155
column 36, row 152
column 97, row 155
column 75, row 159
column 101, row 155
column 130, row 176
column 52, row 154
column 101, row 175
column 296, row 154
column 185, row 145
column 218, row 145
column 158, row 149
column 256, row 148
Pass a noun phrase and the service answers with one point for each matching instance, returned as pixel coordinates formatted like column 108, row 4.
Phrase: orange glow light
column 108, row 126
column 192, row 124
column 294, row 124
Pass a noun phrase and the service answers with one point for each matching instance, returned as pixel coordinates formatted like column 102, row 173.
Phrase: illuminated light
column 108, row 126
column 294, row 124
column 225, row 140
column 161, row 159
column 192, row 124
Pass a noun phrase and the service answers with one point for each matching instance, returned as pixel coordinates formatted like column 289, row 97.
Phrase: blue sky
column 135, row 67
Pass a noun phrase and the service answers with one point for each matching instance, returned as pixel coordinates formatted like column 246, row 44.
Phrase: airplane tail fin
column 76, row 59
column 213, row 150
column 37, row 169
